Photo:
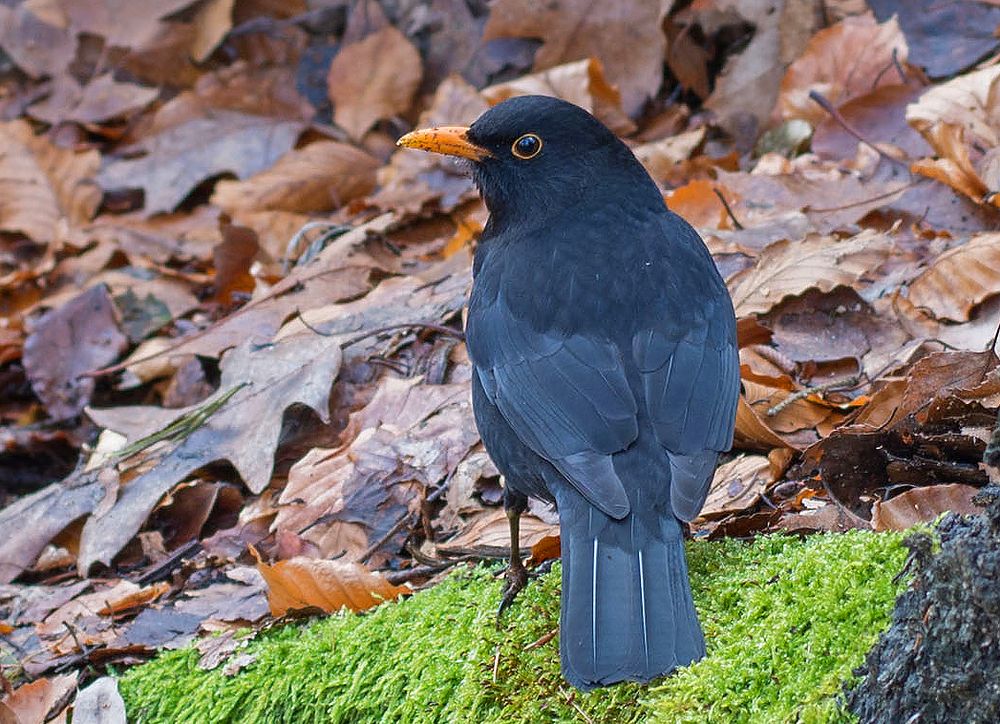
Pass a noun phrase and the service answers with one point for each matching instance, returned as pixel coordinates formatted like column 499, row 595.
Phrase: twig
column 879, row 197
column 167, row 565
column 440, row 328
column 836, row 116
column 725, row 205
column 816, row 390
column 397, row 578
column 543, row 640
column 397, row 526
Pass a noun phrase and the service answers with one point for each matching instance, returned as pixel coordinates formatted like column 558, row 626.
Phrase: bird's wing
column 691, row 387
column 565, row 396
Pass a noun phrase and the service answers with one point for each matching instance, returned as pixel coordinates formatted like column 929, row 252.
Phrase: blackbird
column 606, row 375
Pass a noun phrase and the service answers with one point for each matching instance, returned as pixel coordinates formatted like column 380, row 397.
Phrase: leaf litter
column 234, row 381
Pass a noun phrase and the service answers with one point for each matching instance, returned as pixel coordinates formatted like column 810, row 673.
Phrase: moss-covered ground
column 785, row 622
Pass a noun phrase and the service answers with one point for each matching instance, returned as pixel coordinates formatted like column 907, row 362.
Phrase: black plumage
column 606, row 373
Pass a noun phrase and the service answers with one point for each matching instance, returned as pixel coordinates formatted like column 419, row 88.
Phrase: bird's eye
column 527, row 146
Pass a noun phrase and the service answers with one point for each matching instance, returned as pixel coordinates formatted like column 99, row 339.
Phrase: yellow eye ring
column 527, row 146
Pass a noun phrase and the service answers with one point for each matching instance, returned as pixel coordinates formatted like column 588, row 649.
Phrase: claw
column 516, row 579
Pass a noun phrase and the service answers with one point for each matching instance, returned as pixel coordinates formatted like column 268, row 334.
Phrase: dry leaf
column 323, row 176
column 971, row 101
column 414, row 178
column 491, row 530
column 99, row 703
column 38, row 46
column 959, row 279
column 301, row 583
column 102, row 99
column 736, row 486
column 39, row 700
column 211, row 23
column 582, row 83
column 787, row 268
column 299, row 370
column 41, row 184
column 373, row 79
column 78, row 337
column 625, row 36
column 923, row 505
column 179, row 158
column 840, row 63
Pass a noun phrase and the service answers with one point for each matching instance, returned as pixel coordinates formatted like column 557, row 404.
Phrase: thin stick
column 816, row 390
column 725, row 205
column 836, row 116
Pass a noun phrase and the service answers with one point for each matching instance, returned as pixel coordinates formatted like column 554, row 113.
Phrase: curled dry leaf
column 323, row 176
column 959, row 279
column 971, row 101
column 301, row 583
column 922, row 505
column 660, row 157
column 40, row 184
column 489, row 532
column 546, row 549
column 576, row 29
column 954, row 166
column 581, row 83
column 736, row 486
column 788, row 268
column 844, row 61
column 373, row 79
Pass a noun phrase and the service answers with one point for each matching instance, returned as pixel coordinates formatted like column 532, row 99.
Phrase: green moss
column 785, row 620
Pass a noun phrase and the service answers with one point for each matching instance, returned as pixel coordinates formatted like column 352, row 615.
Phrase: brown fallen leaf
column 120, row 22
column 38, row 45
column 212, row 21
column 177, row 159
column 954, row 167
column 577, row 29
column 39, row 700
column 133, row 599
column 581, row 82
column 923, row 505
column 412, row 178
column 747, row 88
column 959, row 279
column 736, row 486
column 41, row 184
column 79, row 336
column 323, row 176
column 841, row 62
column 301, row 583
column 546, row 549
column 373, row 79
column 490, row 532
column 263, row 382
column 787, row 268
column 101, row 99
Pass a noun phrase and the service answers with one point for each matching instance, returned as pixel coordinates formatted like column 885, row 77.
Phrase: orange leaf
column 544, row 550
column 134, row 599
column 300, row 583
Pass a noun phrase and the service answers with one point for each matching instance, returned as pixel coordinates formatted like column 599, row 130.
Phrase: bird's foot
column 516, row 578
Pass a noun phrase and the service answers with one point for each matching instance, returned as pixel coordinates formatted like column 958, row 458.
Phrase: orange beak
column 450, row 140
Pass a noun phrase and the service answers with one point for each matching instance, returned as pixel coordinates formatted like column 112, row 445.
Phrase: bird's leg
column 517, row 576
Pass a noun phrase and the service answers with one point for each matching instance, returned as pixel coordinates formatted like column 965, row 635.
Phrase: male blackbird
column 605, row 378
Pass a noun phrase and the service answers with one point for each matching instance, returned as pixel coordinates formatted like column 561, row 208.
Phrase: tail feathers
column 627, row 613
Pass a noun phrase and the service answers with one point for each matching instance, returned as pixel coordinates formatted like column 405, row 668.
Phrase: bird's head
column 533, row 156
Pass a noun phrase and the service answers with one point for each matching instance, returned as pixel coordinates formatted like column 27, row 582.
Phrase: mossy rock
column 785, row 620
